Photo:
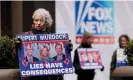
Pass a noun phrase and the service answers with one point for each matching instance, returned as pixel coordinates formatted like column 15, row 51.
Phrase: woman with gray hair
column 42, row 22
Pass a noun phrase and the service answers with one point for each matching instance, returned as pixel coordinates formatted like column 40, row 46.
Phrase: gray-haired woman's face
column 39, row 22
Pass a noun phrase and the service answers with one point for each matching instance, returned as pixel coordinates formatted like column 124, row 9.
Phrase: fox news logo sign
column 96, row 17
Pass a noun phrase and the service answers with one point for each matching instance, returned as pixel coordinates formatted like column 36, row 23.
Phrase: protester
column 123, row 41
column 81, row 73
column 42, row 22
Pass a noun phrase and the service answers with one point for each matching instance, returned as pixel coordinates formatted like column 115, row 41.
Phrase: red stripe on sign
column 98, row 39
column 50, row 41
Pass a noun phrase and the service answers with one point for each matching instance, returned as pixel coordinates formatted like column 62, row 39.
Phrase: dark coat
column 34, row 31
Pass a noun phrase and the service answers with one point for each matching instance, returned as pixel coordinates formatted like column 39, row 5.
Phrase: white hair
column 46, row 16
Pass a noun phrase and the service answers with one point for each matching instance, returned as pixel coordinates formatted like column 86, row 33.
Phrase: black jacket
column 34, row 31
column 76, row 63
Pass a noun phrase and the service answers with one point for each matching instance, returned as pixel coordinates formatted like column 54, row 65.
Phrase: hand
column 70, row 45
column 18, row 42
column 102, row 69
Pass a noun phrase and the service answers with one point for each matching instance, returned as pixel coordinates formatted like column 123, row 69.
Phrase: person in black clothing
column 84, row 74
column 42, row 23
column 123, row 41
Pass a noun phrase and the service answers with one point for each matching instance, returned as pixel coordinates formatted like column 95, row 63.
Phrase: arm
column 18, row 43
column 102, row 69
column 70, row 46
column 112, row 64
column 76, row 63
